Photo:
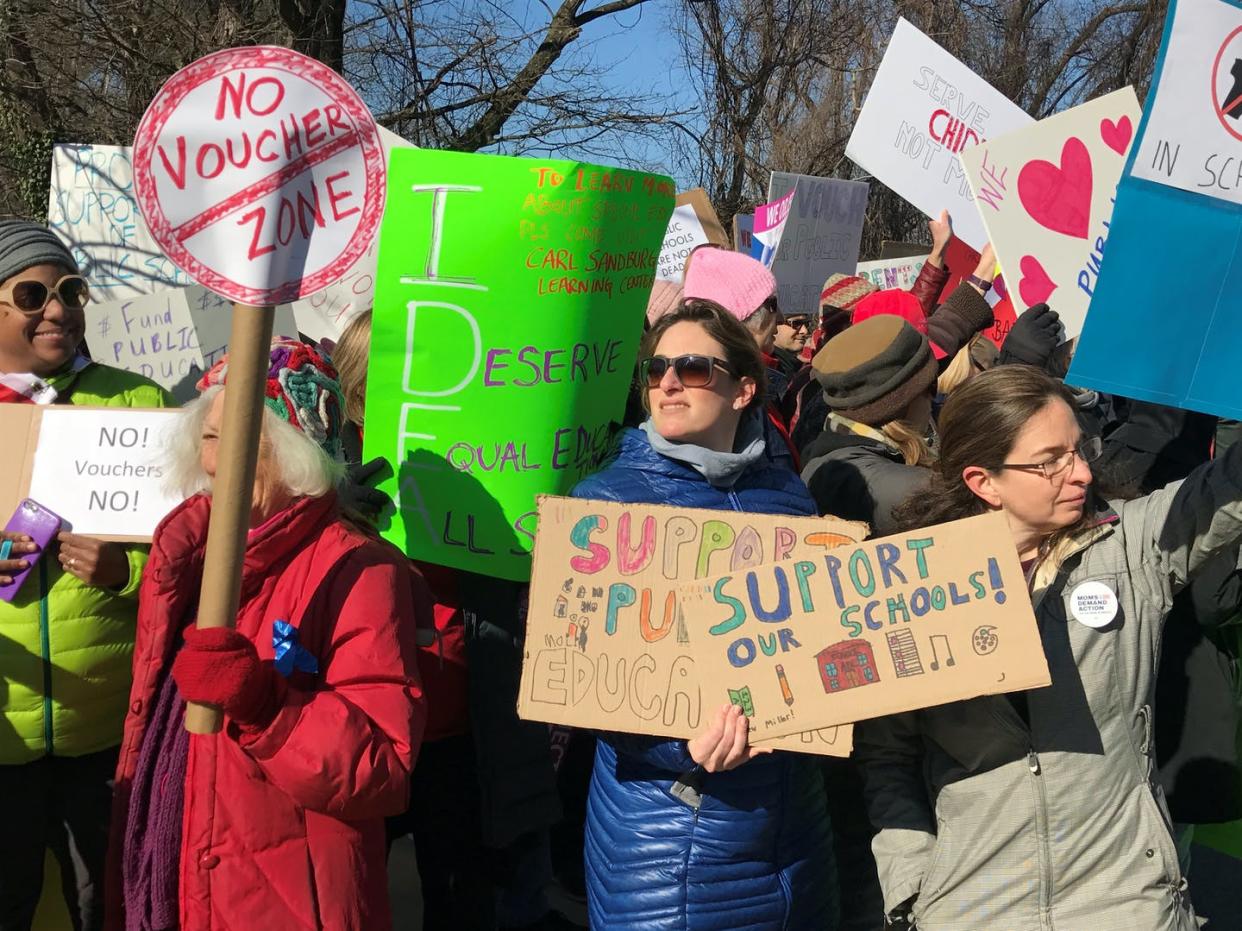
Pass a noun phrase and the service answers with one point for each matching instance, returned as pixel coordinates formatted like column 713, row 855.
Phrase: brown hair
column 350, row 359
column 741, row 353
column 978, row 427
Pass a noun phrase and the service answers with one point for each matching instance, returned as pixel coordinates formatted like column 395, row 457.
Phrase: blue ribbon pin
column 289, row 654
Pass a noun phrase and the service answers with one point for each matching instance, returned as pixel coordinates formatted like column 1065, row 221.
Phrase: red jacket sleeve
column 347, row 747
column 928, row 285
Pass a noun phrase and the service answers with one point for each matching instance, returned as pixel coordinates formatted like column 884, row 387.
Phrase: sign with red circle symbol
column 260, row 173
column 1227, row 83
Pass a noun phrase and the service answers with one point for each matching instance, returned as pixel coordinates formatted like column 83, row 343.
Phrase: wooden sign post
column 233, row 487
column 260, row 173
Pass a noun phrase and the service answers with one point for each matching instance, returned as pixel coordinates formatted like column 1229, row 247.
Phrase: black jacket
column 856, row 478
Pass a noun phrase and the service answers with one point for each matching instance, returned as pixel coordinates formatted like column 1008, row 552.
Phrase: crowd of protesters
column 367, row 697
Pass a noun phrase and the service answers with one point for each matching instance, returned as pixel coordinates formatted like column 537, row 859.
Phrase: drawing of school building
column 846, row 665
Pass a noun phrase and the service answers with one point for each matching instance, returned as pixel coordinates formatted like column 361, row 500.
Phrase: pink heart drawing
column 1059, row 199
column 1035, row 285
column 1117, row 135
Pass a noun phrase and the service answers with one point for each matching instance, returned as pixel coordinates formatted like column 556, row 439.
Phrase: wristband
column 984, row 286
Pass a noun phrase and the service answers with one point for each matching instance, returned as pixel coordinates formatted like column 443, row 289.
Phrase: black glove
column 355, row 490
column 1033, row 339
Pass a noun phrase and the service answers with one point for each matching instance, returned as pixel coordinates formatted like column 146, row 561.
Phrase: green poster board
column 509, row 303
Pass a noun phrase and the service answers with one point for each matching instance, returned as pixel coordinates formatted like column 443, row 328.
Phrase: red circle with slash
column 1230, row 102
column 260, row 173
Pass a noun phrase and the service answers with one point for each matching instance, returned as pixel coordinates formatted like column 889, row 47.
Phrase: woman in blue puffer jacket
column 710, row 833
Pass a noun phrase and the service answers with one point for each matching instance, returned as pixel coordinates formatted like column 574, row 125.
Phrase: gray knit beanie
column 24, row 244
column 873, row 370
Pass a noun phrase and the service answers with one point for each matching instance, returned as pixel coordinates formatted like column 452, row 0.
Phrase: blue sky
column 639, row 52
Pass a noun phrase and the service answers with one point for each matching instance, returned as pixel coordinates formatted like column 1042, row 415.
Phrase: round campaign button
column 1093, row 604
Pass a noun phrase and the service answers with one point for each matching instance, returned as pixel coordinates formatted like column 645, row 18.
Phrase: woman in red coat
column 277, row 822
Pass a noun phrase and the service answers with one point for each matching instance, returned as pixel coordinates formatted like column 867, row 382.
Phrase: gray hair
column 304, row 469
column 759, row 320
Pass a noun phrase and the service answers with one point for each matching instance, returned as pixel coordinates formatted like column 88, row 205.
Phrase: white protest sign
column 102, row 469
column 259, row 172
column 694, row 223
column 823, row 229
column 886, row 274
column 171, row 337
column 684, row 234
column 923, row 108
column 1046, row 195
column 91, row 206
column 1193, row 134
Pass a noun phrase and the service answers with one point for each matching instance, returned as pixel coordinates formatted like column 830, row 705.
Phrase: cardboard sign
column 100, row 468
column 171, row 337
column 510, row 299
column 91, row 206
column 1176, row 339
column 259, row 173
column 1046, row 194
column 606, row 644
column 889, row 625
column 924, row 107
column 822, row 233
column 892, row 273
column 693, row 223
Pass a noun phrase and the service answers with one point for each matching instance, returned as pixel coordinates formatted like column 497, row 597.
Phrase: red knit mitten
column 219, row 666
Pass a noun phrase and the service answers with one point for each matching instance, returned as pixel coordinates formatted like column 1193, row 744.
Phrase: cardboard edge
column 697, row 199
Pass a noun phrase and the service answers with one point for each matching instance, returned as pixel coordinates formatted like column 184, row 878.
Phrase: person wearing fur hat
column 746, row 289
column 67, row 635
column 878, row 379
column 277, row 821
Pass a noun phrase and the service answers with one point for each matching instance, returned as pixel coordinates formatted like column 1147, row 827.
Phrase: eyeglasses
column 798, row 322
column 32, row 296
column 691, row 371
column 1088, row 450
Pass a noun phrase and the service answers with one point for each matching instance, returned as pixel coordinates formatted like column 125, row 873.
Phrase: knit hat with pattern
column 872, row 371
column 844, row 291
column 302, row 389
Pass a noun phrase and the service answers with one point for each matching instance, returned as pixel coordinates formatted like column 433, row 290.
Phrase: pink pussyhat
column 736, row 282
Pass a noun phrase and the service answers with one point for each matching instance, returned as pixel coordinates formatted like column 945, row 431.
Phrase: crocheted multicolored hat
column 302, row 389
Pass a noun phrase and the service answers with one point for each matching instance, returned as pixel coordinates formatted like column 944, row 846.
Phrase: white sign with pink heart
column 1046, row 197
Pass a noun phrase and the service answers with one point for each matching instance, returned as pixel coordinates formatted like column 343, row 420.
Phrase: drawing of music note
column 949, row 661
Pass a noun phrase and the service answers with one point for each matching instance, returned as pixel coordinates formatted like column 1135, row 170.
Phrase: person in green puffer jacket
column 67, row 637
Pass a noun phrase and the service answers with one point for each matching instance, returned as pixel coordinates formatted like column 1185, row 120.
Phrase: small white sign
column 103, row 470
column 171, row 337
column 684, row 234
column 1194, row 131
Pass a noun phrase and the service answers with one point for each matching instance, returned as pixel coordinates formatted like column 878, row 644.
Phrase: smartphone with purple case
column 41, row 525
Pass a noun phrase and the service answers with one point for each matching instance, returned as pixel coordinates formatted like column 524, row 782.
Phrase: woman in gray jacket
column 1040, row 810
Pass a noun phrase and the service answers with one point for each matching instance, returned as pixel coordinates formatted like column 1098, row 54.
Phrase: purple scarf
column 152, row 856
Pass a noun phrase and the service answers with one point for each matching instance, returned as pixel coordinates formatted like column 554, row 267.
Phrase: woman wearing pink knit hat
column 746, row 289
